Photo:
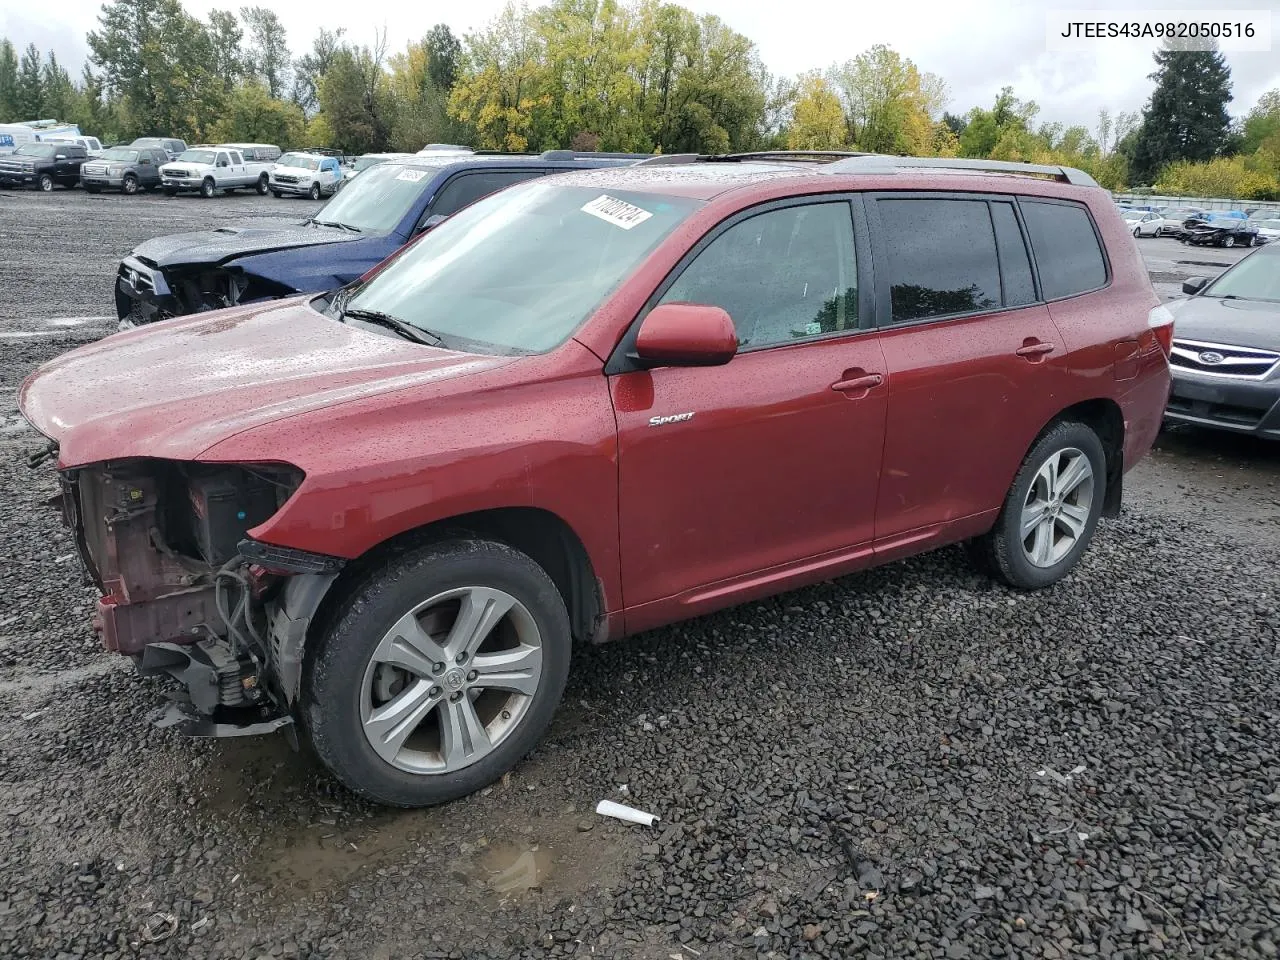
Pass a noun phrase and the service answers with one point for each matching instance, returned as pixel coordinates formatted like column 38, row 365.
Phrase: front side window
column 782, row 276
column 1066, row 248
column 467, row 188
column 942, row 257
column 520, row 270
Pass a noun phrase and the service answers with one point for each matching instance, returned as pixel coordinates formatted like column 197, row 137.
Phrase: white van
column 92, row 145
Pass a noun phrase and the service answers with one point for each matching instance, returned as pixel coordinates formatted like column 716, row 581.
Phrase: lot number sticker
column 615, row 211
column 413, row 176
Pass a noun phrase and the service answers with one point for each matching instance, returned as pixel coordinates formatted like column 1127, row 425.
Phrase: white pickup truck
column 210, row 169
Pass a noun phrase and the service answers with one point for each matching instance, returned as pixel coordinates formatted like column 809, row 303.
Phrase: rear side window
column 1015, row 265
column 1066, row 248
column 464, row 190
column 942, row 257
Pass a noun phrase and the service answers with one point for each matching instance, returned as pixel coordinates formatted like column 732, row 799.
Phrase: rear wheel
column 262, row 186
column 438, row 673
column 129, row 184
column 207, row 188
column 1051, row 511
column 45, row 183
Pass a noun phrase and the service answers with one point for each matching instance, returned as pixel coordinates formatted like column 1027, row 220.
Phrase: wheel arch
column 541, row 535
column 1104, row 417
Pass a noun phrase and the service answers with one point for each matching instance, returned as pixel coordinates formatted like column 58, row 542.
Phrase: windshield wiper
column 405, row 329
column 335, row 223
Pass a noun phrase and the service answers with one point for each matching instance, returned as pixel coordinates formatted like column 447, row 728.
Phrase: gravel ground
column 910, row 763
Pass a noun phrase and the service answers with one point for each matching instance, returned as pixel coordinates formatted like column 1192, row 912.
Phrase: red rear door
column 975, row 362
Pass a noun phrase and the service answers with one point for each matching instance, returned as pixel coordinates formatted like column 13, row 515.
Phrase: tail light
column 1160, row 320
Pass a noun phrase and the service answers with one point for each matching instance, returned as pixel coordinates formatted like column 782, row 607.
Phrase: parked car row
column 1201, row 228
column 389, row 511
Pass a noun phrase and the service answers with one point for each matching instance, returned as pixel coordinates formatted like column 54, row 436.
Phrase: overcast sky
column 977, row 46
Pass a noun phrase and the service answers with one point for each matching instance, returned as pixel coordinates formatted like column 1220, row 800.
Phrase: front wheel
column 315, row 191
column 170, row 191
column 262, row 186
column 1051, row 511
column 1137, row 232
column 1229, row 242
column 129, row 184
column 207, row 188
column 45, row 183
column 438, row 673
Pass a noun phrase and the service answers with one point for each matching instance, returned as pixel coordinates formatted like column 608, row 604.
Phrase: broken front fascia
column 186, row 593
column 146, row 293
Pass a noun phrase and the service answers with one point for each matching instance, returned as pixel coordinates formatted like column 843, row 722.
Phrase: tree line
column 638, row 76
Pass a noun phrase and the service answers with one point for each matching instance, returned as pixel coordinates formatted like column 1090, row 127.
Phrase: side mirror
column 686, row 335
column 1193, row 285
column 432, row 221
column 59, row 156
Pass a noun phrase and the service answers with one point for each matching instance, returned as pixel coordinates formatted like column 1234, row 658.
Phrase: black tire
column 1137, row 233
column 1229, row 242
column 337, row 658
column 129, row 184
column 208, row 188
column 45, row 183
column 262, row 186
column 315, row 192
column 1001, row 551
column 277, row 194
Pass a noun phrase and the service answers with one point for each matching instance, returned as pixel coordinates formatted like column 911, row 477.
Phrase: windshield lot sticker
column 615, row 211
column 413, row 176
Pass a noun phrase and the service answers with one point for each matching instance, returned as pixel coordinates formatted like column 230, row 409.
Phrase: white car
column 369, row 160
column 1143, row 223
column 1268, row 230
column 92, row 145
column 210, row 169
column 306, row 174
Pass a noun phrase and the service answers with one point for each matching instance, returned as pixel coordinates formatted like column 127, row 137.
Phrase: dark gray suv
column 127, row 169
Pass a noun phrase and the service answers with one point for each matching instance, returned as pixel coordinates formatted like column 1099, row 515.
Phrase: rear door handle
column 865, row 382
column 1035, row 349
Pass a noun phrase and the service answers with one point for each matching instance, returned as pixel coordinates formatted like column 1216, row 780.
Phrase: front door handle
column 1036, row 349
column 857, row 384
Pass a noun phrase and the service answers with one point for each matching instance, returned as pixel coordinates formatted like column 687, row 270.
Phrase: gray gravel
column 909, row 763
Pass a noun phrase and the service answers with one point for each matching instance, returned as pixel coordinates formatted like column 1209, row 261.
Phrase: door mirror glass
column 432, row 221
column 1193, row 285
column 59, row 156
column 686, row 335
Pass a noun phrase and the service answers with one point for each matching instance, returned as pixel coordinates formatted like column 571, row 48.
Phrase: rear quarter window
column 1066, row 248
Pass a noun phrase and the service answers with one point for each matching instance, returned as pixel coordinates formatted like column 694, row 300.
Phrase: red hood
column 175, row 389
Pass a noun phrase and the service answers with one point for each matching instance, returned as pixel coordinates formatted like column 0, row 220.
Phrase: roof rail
column 667, row 159
column 591, row 155
column 883, row 163
column 816, row 156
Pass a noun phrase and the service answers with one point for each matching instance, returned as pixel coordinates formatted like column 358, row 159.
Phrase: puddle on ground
column 514, row 869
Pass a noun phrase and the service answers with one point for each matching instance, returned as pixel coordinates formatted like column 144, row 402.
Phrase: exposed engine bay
column 186, row 593
column 146, row 293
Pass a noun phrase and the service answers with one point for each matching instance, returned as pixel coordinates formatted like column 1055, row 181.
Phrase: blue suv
column 372, row 217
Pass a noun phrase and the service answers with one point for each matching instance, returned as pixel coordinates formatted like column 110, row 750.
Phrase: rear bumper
column 1223, row 403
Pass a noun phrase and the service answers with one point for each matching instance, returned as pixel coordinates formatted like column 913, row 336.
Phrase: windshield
column 197, row 156
column 120, row 153
column 364, row 163
column 518, row 271
column 1267, row 224
column 299, row 160
column 377, row 200
column 1253, row 278
column 36, row 150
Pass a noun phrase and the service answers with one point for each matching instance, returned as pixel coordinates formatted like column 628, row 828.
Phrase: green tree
column 310, row 68
column 30, row 99
column 61, row 98
column 225, row 39
column 267, row 56
column 818, row 121
column 421, row 112
column 252, row 115
column 1008, row 120
column 1262, row 122
column 8, row 81
column 720, row 96
column 1186, row 117
column 890, row 105
column 155, row 66
column 355, row 99
column 444, row 57
column 503, row 82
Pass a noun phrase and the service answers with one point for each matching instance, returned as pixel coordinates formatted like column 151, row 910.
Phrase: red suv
column 587, row 406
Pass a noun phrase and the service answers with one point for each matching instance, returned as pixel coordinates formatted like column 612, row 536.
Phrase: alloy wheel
column 1056, row 512
column 451, row 680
